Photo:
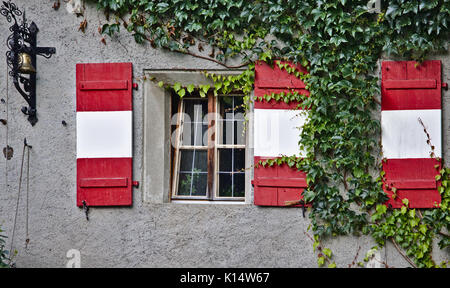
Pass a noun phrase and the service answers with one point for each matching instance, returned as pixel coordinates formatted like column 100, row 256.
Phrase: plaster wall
column 151, row 233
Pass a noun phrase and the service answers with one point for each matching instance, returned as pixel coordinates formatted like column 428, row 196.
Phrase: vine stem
column 208, row 58
column 440, row 232
column 376, row 100
column 401, row 253
column 213, row 60
column 319, row 248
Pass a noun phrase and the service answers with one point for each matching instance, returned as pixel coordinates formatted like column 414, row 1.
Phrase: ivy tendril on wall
column 340, row 43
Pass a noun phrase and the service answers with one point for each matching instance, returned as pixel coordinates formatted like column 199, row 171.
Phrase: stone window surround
column 156, row 121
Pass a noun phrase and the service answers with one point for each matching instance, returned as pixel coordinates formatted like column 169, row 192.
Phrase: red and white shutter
column 277, row 128
column 104, row 134
column 411, row 92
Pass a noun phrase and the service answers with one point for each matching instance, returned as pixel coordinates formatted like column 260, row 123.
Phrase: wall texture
column 145, row 235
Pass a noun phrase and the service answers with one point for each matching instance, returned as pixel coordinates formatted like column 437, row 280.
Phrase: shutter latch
column 86, row 209
column 445, row 85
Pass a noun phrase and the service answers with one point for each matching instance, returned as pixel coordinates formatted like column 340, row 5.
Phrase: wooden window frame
column 225, row 146
column 212, row 149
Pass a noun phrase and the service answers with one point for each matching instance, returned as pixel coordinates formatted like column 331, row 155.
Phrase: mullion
column 232, row 150
column 232, row 127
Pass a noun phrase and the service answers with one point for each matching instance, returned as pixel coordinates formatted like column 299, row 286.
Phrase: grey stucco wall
column 145, row 235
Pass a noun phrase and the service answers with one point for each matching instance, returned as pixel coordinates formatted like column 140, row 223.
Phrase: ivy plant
column 4, row 254
column 340, row 43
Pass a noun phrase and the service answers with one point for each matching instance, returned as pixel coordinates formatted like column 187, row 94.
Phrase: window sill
column 209, row 202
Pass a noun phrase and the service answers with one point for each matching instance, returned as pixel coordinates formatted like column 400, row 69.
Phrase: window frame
column 212, row 157
column 218, row 146
column 177, row 157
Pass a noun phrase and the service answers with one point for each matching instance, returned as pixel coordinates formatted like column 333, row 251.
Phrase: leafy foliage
column 417, row 27
column 340, row 43
column 4, row 258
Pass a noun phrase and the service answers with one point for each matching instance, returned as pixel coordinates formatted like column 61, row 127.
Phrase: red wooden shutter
column 411, row 92
column 104, row 134
column 276, row 134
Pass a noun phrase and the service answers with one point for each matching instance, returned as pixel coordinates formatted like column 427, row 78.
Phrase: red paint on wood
column 104, row 87
column 107, row 192
column 261, row 92
column 282, row 182
column 103, row 182
column 274, row 185
column 406, row 85
column 273, row 77
column 410, row 84
column 272, row 104
column 414, row 179
column 270, row 80
column 413, row 183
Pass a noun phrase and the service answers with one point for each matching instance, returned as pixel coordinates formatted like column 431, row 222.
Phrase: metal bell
column 25, row 65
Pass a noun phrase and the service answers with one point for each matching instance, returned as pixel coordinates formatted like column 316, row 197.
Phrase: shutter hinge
column 445, row 85
column 135, row 86
column 136, row 184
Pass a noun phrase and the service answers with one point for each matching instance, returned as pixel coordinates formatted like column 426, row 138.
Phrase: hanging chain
column 7, row 128
column 18, row 200
column 28, row 192
column 25, row 146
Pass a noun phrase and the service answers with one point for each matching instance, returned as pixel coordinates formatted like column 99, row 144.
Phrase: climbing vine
column 340, row 43
column 4, row 254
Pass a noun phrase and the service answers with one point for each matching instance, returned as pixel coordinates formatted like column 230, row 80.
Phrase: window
column 208, row 148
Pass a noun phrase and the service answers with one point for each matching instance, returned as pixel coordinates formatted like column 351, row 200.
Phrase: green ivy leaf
column 320, row 261
column 177, row 86
column 190, row 88
column 181, row 92
column 327, row 252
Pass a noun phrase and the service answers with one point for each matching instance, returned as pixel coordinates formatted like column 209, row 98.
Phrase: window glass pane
column 194, row 161
column 239, row 134
column 201, row 161
column 225, row 131
column 199, row 184
column 186, row 160
column 193, row 174
column 195, row 110
column 231, row 121
column 205, row 136
column 225, row 160
column 192, row 184
column 226, row 107
column 239, row 108
column 239, row 185
column 194, row 134
column 225, row 185
column 231, row 181
column 184, row 184
column 239, row 160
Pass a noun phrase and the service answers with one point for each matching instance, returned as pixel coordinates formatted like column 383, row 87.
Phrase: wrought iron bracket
column 23, row 39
